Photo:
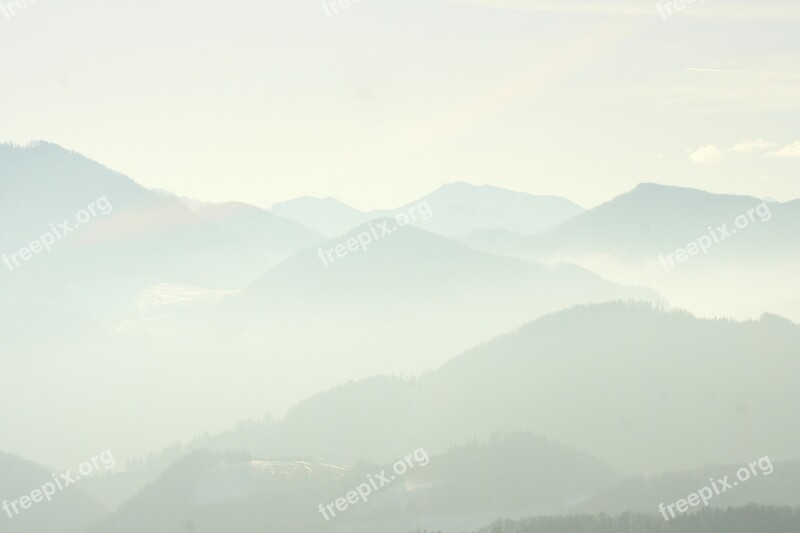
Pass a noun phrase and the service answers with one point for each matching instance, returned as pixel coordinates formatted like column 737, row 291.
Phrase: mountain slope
column 457, row 490
column 655, row 219
column 361, row 314
column 269, row 239
column 742, row 251
column 455, row 209
column 708, row 391
column 68, row 511
column 776, row 484
column 327, row 216
column 124, row 237
column 733, row 520
column 460, row 208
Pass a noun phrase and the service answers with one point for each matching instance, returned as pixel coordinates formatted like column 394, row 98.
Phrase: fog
column 445, row 266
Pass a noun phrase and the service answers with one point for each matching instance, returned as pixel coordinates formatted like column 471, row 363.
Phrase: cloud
column 790, row 150
column 750, row 146
column 706, row 155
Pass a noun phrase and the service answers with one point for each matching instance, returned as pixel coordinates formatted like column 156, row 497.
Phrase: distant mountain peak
column 463, row 186
column 650, row 188
column 32, row 145
column 670, row 192
column 311, row 200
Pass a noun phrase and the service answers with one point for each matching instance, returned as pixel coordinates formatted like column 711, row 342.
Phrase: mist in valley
column 454, row 266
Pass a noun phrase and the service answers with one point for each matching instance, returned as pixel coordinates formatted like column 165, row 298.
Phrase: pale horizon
column 371, row 106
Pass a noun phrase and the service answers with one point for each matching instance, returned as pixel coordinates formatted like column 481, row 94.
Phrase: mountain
column 222, row 492
column 718, row 388
column 191, row 203
column 776, row 484
column 742, row 250
column 655, row 219
column 327, row 216
column 368, row 308
column 461, row 489
column 453, row 210
column 84, row 237
column 460, row 208
column 733, row 520
column 516, row 473
column 270, row 239
column 147, row 288
column 68, row 510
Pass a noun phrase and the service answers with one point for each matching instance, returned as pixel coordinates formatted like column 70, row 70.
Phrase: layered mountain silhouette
column 719, row 388
column 501, row 331
column 456, row 209
column 656, row 219
column 138, row 238
column 741, row 250
column 370, row 306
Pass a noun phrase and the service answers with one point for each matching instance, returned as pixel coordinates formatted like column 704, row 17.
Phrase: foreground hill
column 68, row 511
column 734, row 520
column 463, row 488
column 775, row 484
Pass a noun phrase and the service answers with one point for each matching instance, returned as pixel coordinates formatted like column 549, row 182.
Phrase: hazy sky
column 264, row 100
